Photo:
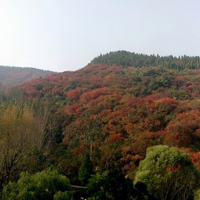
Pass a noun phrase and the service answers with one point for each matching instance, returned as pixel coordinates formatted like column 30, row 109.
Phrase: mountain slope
column 15, row 75
column 115, row 112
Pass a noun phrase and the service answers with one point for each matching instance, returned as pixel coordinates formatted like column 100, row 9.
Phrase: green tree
column 63, row 195
column 40, row 186
column 110, row 185
column 86, row 169
column 168, row 173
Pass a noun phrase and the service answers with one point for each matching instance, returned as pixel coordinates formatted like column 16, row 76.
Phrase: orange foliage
column 114, row 137
column 75, row 109
column 195, row 157
column 90, row 95
column 129, row 160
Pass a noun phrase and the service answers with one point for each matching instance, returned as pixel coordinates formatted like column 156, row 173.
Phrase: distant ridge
column 11, row 76
column 126, row 58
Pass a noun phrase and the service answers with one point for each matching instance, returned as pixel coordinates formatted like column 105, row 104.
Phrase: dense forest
column 125, row 59
column 126, row 126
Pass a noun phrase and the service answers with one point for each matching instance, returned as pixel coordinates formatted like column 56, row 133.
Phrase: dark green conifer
column 86, row 169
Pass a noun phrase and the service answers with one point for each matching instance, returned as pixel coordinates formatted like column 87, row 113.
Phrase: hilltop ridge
column 11, row 76
column 126, row 58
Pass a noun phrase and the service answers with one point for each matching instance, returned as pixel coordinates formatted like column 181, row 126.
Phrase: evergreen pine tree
column 86, row 169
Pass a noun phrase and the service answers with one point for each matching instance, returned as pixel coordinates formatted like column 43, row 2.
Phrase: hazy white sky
column 62, row 35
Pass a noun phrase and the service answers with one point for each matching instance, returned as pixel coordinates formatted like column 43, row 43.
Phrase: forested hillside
column 141, row 60
column 11, row 76
column 105, row 116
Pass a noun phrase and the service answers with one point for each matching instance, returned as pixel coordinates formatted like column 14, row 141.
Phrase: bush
column 40, row 186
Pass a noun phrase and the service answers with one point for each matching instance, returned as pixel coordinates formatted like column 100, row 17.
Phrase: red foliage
column 114, row 137
column 75, row 109
column 90, row 95
column 195, row 157
column 184, row 130
column 76, row 93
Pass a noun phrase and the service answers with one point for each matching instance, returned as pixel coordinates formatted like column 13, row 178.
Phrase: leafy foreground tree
column 168, row 173
column 48, row 184
column 113, row 185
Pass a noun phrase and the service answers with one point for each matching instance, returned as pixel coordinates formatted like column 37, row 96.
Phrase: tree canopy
column 168, row 173
column 126, row 58
column 110, row 185
column 40, row 186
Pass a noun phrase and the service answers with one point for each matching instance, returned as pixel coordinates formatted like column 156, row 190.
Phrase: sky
column 65, row 35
